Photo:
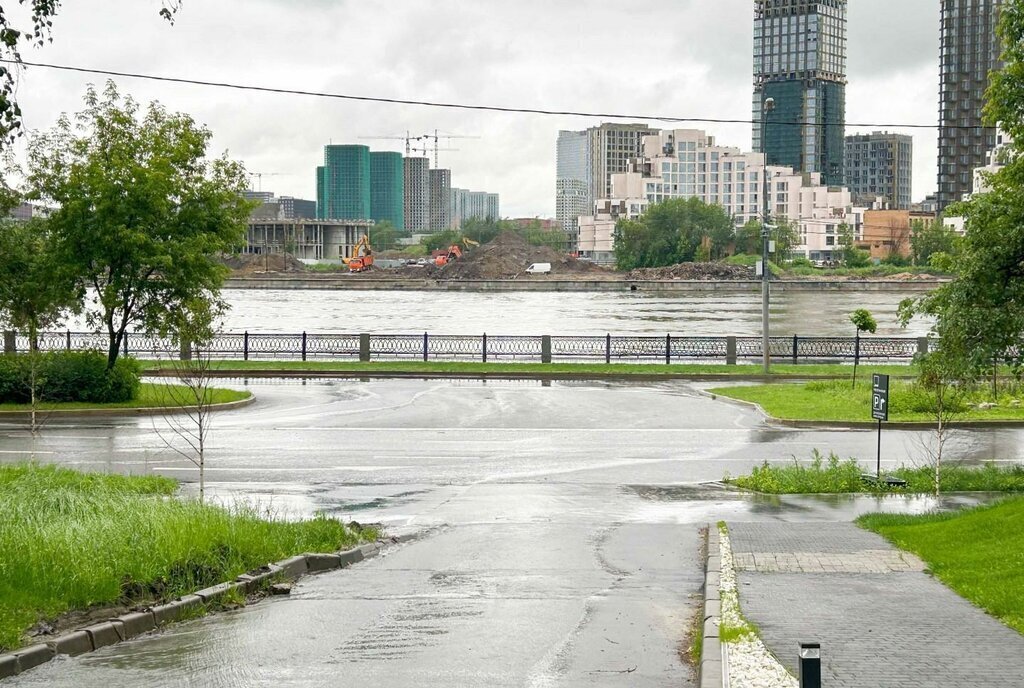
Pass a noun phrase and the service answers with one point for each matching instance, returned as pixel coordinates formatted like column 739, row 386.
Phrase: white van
column 538, row 269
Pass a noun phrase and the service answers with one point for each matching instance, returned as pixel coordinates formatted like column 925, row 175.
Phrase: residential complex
column 417, row 194
column 467, row 205
column 387, row 188
column 969, row 50
column 800, row 62
column 996, row 159
column 880, row 165
column 440, row 205
column 688, row 163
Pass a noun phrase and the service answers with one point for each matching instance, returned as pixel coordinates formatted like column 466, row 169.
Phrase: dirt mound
column 507, row 257
column 250, row 264
column 693, row 271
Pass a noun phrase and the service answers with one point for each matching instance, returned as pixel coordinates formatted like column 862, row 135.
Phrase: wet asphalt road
column 559, row 529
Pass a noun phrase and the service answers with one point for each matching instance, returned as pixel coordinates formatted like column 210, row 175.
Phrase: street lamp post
column 769, row 106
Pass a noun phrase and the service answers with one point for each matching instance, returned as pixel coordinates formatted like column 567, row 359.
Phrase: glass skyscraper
column 343, row 183
column 968, row 51
column 800, row 62
column 387, row 188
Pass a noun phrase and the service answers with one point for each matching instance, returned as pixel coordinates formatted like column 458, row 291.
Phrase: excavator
column 362, row 256
column 454, row 252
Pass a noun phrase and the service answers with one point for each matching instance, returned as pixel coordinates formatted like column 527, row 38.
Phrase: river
column 566, row 313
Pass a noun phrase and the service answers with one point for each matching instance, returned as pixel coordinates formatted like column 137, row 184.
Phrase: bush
column 801, row 262
column 69, row 377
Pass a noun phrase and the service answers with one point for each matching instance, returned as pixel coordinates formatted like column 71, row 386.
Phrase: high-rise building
column 297, row 208
column 417, row 195
column 440, row 200
column 969, row 50
column 387, row 188
column 800, row 62
column 343, row 183
column 612, row 147
column 468, row 205
column 880, row 164
column 573, row 178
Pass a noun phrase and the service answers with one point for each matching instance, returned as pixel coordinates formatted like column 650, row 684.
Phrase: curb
column 134, row 624
column 711, row 674
column 125, row 412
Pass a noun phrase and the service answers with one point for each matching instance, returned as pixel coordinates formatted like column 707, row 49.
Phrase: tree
column 864, row 322
column 945, row 379
column 672, row 232
column 383, row 236
column 853, row 257
column 929, row 238
column 36, row 34
column 141, row 212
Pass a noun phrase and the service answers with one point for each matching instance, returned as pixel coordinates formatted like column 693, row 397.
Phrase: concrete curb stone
column 711, row 667
column 134, row 624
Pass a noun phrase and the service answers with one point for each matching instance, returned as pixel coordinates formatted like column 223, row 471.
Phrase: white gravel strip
column 750, row 664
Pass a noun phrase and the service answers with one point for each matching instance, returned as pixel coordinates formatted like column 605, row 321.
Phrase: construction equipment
column 454, row 252
column 362, row 256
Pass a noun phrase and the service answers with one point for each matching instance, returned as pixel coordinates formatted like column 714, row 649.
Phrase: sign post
column 880, row 412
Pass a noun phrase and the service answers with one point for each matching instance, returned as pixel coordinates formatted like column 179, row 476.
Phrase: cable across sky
column 458, row 106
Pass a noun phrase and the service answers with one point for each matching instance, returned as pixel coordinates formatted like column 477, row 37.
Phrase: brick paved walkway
column 881, row 621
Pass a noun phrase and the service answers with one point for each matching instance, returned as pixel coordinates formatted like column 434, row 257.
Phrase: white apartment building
column 467, row 204
column 688, row 163
column 997, row 159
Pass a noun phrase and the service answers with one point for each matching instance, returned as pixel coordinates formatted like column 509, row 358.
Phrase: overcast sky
column 685, row 58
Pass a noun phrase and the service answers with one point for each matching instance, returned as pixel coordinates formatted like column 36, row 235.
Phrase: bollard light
column 810, row 665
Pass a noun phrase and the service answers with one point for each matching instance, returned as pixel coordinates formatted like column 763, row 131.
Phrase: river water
column 558, row 313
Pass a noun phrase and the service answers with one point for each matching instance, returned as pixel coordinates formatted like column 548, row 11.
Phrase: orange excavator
column 362, row 256
column 454, row 252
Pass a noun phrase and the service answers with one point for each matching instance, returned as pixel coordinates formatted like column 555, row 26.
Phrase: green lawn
column 834, row 400
column 834, row 476
column 151, row 395
column 978, row 553
column 71, row 540
column 442, row 367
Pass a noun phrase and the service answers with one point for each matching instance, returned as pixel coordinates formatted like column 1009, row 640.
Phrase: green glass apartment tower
column 343, row 184
column 969, row 50
column 800, row 62
column 387, row 188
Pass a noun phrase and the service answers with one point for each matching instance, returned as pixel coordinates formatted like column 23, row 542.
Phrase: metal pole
column 769, row 105
column 878, row 464
column 810, row 665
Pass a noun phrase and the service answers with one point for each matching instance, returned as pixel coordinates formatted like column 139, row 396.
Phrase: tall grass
column 71, row 540
column 834, row 476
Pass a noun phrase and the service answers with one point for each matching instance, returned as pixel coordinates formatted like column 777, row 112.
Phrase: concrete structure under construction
column 307, row 240
column 343, row 183
column 440, row 206
column 468, row 205
column 688, row 163
column 880, row 164
column 387, row 188
column 969, row 50
column 417, row 194
column 800, row 62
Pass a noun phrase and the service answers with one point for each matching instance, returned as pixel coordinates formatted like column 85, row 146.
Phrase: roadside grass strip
column 837, row 400
column 832, row 475
column 442, row 367
column 979, row 553
column 74, row 541
column 750, row 663
column 151, row 395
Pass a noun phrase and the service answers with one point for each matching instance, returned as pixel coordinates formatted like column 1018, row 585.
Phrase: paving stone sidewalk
column 881, row 620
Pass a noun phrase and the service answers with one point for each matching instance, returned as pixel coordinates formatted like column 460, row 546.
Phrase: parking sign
column 880, row 397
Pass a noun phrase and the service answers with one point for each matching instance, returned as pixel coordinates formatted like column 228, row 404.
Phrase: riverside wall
column 345, row 282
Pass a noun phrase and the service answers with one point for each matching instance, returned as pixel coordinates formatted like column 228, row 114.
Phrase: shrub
column 801, row 262
column 68, row 377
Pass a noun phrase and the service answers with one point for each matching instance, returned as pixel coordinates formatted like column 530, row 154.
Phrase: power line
column 466, row 106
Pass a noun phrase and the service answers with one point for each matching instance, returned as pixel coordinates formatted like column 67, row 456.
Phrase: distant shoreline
column 357, row 283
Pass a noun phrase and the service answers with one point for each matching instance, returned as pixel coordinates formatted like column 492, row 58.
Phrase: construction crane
column 426, row 150
column 436, row 138
column 408, row 139
column 260, row 175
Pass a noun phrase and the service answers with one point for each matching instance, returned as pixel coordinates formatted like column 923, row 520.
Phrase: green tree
column 142, row 213
column 383, row 236
column 853, row 257
column 36, row 33
column 929, row 238
column 979, row 316
column 672, row 232
column 864, row 322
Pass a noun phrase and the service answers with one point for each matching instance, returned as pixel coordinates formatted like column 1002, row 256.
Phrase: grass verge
column 442, row 367
column 979, row 553
column 71, row 541
column 151, row 395
column 835, row 476
column 836, row 400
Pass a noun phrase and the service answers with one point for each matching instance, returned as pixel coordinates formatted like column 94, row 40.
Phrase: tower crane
column 260, row 175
